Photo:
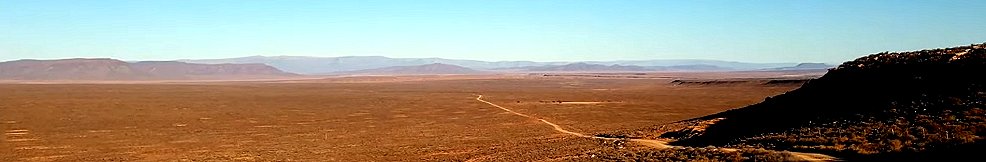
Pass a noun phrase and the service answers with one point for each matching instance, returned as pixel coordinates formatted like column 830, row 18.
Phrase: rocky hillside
column 896, row 106
column 110, row 69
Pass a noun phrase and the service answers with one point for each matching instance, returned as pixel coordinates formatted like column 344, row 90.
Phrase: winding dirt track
column 646, row 142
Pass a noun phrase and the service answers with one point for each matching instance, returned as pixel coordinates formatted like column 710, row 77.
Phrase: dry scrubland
column 345, row 119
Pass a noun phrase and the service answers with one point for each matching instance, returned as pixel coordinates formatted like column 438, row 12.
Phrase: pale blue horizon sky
column 828, row 31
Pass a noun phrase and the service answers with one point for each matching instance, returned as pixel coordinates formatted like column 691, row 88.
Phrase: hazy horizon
column 543, row 61
column 544, row 31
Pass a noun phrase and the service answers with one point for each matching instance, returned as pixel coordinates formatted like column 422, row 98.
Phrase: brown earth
column 346, row 119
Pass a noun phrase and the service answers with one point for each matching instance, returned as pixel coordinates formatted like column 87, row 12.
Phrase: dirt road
column 646, row 142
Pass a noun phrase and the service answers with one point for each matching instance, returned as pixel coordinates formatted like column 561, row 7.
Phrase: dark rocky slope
column 902, row 106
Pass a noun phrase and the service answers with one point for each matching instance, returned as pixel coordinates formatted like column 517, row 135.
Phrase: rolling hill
column 111, row 69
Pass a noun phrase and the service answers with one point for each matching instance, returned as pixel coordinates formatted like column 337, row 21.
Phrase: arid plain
column 366, row 118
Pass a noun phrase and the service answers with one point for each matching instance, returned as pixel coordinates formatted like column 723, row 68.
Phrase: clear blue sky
column 540, row 30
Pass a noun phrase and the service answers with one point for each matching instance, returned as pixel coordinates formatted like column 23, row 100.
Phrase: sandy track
column 813, row 156
column 660, row 144
column 646, row 142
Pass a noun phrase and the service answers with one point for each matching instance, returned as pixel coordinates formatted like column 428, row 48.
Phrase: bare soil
column 430, row 118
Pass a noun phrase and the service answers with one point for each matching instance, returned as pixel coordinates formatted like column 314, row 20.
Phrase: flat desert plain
column 411, row 118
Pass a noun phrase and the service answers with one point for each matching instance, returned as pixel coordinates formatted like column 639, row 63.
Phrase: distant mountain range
column 582, row 67
column 435, row 68
column 323, row 65
column 587, row 67
column 111, row 69
column 803, row 66
column 271, row 67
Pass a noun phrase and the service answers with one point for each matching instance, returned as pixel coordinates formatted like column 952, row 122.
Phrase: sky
column 830, row 31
